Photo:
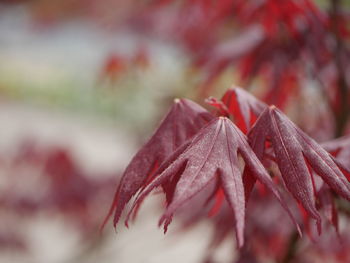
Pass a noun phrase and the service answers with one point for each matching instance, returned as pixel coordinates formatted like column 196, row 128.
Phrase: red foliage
column 60, row 188
column 211, row 155
column 209, row 159
column 281, row 43
column 114, row 66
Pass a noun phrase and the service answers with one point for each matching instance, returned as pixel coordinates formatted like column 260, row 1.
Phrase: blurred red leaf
column 339, row 148
column 113, row 67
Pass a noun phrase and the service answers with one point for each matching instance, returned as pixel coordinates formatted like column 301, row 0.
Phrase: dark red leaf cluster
column 281, row 43
column 192, row 151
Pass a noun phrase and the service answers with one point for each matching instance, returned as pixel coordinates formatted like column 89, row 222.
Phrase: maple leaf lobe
column 184, row 120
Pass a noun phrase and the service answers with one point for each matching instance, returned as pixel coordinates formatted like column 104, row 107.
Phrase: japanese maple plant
column 230, row 164
column 211, row 162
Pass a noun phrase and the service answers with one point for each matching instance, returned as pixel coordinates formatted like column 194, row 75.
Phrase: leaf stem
column 342, row 115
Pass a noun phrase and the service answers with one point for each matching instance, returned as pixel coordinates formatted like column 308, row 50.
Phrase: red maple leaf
column 184, row 120
column 210, row 155
column 295, row 154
